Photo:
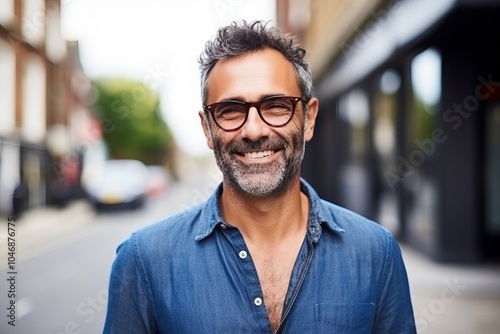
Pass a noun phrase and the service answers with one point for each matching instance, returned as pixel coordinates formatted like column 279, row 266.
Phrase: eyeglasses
column 275, row 111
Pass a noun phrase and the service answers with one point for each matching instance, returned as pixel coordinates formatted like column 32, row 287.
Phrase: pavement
column 453, row 298
column 446, row 298
column 44, row 228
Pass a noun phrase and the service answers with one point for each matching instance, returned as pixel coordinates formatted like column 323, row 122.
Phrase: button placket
column 250, row 278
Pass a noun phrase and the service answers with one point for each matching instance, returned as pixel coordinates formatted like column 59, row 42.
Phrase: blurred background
column 99, row 135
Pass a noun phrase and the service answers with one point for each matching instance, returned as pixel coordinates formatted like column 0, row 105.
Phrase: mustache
column 263, row 144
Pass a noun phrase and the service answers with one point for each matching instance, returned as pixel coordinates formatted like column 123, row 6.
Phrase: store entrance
column 491, row 225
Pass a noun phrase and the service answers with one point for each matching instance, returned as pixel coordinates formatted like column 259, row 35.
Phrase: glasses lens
column 229, row 115
column 277, row 111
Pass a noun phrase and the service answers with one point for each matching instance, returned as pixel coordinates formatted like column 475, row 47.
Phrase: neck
column 268, row 220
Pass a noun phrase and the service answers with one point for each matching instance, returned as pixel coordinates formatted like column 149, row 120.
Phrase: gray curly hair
column 241, row 38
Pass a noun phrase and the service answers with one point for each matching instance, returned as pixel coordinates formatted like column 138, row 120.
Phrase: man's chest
column 230, row 290
column 274, row 277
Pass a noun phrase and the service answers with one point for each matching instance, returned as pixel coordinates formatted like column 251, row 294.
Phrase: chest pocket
column 344, row 318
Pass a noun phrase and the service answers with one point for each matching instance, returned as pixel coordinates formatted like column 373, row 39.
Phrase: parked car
column 119, row 184
column 158, row 180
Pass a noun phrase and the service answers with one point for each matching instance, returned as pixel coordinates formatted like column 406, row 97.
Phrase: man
column 264, row 254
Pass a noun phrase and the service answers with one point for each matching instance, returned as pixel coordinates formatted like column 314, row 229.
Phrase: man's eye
column 229, row 112
column 277, row 105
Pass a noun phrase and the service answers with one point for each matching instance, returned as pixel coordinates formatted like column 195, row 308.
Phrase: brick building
column 42, row 106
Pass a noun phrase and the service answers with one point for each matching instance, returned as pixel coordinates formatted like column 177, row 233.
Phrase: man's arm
column 130, row 307
column 394, row 311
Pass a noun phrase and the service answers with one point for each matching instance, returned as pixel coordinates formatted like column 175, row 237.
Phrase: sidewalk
column 45, row 228
column 453, row 298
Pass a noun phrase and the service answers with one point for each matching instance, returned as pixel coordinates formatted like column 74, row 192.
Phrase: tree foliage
column 132, row 127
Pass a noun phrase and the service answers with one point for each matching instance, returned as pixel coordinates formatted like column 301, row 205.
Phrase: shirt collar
column 318, row 214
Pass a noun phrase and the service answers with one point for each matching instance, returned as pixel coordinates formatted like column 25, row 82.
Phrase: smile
column 258, row 155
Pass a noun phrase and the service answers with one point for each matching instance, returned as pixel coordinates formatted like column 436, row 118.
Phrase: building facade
column 409, row 123
column 42, row 89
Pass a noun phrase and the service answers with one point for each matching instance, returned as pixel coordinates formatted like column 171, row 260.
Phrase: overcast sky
column 157, row 42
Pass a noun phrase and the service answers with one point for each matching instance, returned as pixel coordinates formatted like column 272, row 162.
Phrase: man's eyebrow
column 242, row 99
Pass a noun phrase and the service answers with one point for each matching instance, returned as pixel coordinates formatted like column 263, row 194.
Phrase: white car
column 118, row 183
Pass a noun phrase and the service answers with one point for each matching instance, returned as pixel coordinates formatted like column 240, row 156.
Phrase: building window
column 354, row 111
column 33, row 21
column 7, row 89
column 34, row 100
column 419, row 163
column 384, row 140
column 354, row 181
column 6, row 12
column 55, row 46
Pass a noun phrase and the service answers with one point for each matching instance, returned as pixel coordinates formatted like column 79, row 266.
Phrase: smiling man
column 264, row 254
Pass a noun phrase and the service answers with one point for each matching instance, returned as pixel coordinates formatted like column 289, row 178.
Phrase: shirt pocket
column 344, row 318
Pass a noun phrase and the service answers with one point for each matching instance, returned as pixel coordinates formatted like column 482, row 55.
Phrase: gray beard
column 261, row 180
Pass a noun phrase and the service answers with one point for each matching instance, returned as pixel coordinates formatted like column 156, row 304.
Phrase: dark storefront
column 409, row 127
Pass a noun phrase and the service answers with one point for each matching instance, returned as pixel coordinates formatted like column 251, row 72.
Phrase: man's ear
column 312, row 113
column 206, row 128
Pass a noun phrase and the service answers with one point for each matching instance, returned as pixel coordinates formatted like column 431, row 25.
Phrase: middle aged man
column 264, row 253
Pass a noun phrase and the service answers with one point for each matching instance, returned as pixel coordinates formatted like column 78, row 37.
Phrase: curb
column 42, row 229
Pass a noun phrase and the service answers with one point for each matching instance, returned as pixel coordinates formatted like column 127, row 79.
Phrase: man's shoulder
column 175, row 228
column 164, row 240
column 353, row 223
column 360, row 235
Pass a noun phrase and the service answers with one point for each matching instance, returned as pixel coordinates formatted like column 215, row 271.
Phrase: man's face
column 257, row 159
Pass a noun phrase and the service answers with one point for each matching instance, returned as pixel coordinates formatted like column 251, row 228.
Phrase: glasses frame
column 293, row 99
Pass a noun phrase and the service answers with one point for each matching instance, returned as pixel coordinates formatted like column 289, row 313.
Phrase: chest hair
column 274, row 275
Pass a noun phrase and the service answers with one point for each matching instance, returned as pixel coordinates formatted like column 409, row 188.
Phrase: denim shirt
column 193, row 273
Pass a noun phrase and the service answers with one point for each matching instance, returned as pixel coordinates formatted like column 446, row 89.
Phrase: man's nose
column 254, row 128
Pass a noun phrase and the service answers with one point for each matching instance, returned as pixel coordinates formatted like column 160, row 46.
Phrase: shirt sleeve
column 130, row 305
column 395, row 311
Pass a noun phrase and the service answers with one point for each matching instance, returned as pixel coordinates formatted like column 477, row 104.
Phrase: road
column 61, row 284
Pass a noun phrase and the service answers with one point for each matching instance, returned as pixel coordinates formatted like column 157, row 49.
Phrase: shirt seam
column 385, row 274
column 142, row 268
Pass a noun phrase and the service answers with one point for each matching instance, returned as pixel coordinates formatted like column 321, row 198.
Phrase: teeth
column 256, row 155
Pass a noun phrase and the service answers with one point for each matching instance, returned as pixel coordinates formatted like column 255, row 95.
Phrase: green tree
column 130, row 117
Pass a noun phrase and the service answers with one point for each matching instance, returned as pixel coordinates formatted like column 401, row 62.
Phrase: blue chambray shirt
column 193, row 273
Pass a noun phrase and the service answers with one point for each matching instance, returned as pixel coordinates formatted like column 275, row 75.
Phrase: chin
column 260, row 186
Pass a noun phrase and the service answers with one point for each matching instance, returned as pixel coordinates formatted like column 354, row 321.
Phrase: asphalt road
column 62, row 287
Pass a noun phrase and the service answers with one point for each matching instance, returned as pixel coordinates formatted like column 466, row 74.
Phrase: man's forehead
column 267, row 55
column 263, row 72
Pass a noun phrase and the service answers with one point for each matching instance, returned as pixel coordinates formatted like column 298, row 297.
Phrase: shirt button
column 243, row 254
column 223, row 226
column 257, row 301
